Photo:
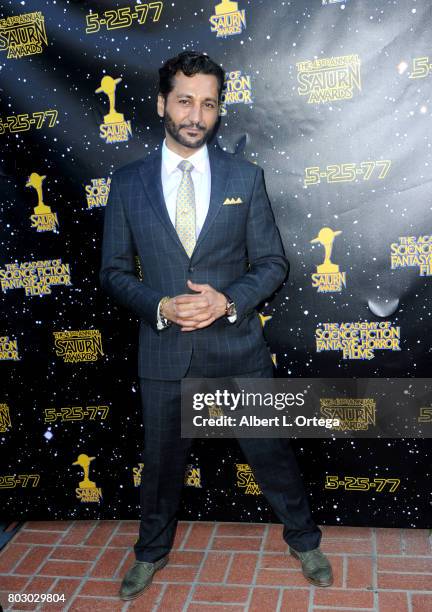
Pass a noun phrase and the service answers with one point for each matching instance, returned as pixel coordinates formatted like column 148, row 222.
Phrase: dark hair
column 190, row 63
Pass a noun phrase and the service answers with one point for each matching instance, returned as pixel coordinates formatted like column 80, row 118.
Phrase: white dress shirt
column 171, row 177
column 201, row 177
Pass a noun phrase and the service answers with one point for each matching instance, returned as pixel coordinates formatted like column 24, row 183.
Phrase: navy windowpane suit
column 238, row 252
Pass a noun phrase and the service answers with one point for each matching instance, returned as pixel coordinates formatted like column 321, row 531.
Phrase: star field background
column 389, row 118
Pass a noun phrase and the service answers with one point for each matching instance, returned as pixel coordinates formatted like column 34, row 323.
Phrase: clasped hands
column 195, row 310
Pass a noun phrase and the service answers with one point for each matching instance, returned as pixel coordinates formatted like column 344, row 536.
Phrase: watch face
column 231, row 309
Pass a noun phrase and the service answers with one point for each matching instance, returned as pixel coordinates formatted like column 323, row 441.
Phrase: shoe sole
column 308, row 578
column 130, row 597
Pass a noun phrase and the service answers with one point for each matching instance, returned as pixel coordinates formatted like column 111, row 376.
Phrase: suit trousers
column 272, row 461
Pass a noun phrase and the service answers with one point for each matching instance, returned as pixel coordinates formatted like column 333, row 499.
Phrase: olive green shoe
column 315, row 566
column 139, row 577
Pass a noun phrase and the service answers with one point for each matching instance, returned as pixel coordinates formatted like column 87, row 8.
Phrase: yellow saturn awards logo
column 353, row 413
column 43, row 219
column 246, row 479
column 87, row 490
column 23, row 34
column 114, row 128
column 80, row 345
column 328, row 277
column 228, row 20
column 329, row 79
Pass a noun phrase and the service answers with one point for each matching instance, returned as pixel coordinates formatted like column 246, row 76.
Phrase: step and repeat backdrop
column 333, row 100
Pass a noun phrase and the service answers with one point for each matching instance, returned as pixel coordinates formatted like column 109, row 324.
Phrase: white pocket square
column 233, row 201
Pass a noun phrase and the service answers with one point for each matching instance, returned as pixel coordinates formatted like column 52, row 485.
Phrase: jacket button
column 191, row 269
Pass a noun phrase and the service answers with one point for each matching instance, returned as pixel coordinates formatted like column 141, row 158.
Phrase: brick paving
column 217, row 567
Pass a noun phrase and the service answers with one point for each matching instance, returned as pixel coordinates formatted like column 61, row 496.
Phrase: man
column 200, row 222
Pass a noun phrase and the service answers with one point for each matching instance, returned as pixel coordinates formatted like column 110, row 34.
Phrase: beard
column 174, row 128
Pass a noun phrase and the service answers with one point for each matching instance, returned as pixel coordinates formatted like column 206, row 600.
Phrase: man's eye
column 184, row 101
column 210, row 105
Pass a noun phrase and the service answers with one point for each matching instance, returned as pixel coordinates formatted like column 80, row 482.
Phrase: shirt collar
column 171, row 160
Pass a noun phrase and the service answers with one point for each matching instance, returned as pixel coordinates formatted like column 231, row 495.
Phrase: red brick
column 236, row 543
column 199, row 536
column 347, row 546
column 126, row 564
column 36, row 585
column 78, row 532
column 240, row 529
column 146, row 601
column 339, row 598
column 214, row 567
column 242, row 568
column 296, row 600
column 359, row 572
column 129, row 527
column 421, row 603
column 13, row 584
column 405, row 564
column 91, row 604
column 10, row 555
column 409, row 582
column 174, row 598
column 65, row 568
column 278, row 561
column 281, row 578
column 66, row 587
column 123, row 540
column 48, row 525
column 102, row 533
column 75, row 553
column 37, row 537
column 417, row 542
column 100, row 588
column 221, row 594
column 198, row 607
column 183, row 557
column 346, row 533
column 107, row 565
column 33, row 559
column 264, row 599
column 274, row 541
column 389, row 541
column 179, row 538
column 392, row 601
column 176, row 574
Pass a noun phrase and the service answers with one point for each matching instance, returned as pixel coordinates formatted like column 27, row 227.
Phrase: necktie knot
column 185, row 166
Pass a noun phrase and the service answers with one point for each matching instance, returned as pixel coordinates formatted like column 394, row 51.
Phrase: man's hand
column 195, row 311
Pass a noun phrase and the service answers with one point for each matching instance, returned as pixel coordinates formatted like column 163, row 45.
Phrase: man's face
column 190, row 112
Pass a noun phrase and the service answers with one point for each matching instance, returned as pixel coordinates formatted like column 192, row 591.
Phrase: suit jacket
column 238, row 252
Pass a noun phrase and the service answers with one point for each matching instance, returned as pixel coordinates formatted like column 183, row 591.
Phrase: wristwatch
column 230, row 309
column 166, row 322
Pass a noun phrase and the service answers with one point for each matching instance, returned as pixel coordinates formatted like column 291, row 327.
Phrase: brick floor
column 216, row 567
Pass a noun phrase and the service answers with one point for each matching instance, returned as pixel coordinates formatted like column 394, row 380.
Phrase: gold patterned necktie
column 185, row 208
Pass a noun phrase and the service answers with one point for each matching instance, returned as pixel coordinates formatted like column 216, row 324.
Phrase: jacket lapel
column 220, row 170
column 150, row 172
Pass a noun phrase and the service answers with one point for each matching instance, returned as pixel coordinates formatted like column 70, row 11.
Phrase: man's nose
column 195, row 113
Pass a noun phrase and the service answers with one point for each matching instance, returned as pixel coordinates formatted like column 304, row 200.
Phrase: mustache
column 196, row 126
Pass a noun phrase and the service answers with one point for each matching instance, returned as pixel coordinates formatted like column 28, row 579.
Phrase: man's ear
column 160, row 105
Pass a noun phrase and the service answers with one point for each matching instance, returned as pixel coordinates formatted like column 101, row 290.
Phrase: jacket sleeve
column 268, row 265
column 117, row 275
